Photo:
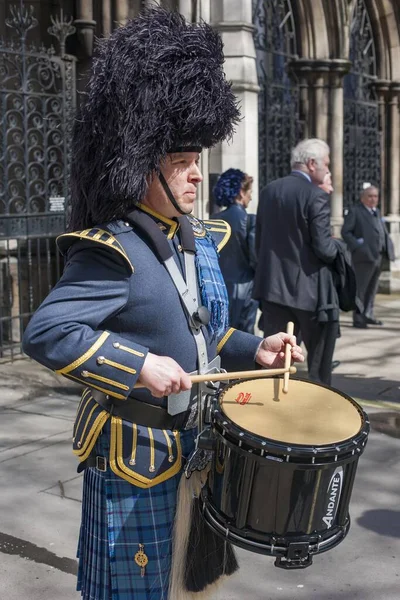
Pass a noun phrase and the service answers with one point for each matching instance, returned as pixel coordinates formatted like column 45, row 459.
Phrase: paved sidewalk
column 40, row 498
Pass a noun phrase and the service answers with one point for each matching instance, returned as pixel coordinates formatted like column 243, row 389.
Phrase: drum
column 283, row 467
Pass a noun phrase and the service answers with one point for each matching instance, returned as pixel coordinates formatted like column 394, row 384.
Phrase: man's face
column 370, row 197
column 182, row 174
column 318, row 169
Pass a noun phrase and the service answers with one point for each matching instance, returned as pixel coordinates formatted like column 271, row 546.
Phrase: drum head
column 309, row 414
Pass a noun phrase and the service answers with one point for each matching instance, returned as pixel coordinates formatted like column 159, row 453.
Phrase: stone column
column 321, row 104
column 390, row 278
column 85, row 26
column 394, row 152
column 336, row 141
column 107, row 22
column 381, row 87
column 233, row 18
column 121, row 11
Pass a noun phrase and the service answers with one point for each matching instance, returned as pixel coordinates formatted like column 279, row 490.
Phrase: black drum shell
column 272, row 494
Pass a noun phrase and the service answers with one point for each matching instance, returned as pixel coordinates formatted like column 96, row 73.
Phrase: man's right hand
column 163, row 376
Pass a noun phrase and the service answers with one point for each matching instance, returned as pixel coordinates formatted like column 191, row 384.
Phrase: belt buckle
column 101, row 463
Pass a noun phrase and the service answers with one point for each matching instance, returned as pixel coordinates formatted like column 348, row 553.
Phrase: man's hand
column 163, row 376
column 271, row 352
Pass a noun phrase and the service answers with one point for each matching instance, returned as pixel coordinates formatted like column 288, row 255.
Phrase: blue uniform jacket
column 114, row 303
column 238, row 259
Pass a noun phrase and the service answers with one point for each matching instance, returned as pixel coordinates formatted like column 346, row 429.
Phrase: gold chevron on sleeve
column 226, row 337
column 89, row 353
column 95, row 235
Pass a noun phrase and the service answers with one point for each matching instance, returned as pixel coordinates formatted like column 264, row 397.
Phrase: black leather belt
column 140, row 412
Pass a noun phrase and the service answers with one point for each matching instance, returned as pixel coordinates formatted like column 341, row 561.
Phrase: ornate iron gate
column 362, row 138
column 278, row 103
column 37, row 104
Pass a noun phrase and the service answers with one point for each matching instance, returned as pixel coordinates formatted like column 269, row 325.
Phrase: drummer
column 117, row 317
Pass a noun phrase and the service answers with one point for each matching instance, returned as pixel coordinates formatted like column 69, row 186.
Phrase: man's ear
column 311, row 164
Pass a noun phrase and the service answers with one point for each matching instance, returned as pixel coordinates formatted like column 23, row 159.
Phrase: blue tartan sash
column 212, row 287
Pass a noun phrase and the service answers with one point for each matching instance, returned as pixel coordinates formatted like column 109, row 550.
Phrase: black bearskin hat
column 157, row 83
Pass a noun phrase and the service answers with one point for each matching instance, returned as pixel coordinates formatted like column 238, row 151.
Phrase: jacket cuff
column 238, row 350
column 112, row 365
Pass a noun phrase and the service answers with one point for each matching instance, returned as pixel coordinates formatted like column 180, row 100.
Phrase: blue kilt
column 118, row 516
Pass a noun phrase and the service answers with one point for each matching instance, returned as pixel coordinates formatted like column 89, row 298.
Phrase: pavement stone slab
column 21, row 429
column 22, row 579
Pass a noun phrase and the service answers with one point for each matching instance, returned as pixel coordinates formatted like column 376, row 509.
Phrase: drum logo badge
column 334, row 493
column 243, row 398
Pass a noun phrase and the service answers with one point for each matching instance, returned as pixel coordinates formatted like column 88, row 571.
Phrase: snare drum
column 283, row 467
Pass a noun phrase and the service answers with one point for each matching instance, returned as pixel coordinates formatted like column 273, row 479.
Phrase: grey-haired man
column 368, row 240
column 294, row 275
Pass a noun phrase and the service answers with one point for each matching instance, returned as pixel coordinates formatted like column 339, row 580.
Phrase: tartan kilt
column 118, row 516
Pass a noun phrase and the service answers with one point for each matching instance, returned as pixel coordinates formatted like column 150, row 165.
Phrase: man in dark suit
column 293, row 279
column 368, row 239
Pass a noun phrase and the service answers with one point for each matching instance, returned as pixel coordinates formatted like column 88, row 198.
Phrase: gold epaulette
column 220, row 230
column 96, row 235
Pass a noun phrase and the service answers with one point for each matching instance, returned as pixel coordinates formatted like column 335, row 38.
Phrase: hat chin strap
column 170, row 195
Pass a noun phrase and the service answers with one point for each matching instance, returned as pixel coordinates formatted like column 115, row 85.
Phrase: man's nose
column 195, row 174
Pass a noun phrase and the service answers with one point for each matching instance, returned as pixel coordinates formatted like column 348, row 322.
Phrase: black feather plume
column 156, row 82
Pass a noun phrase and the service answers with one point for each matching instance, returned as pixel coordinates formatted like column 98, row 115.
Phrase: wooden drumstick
column 288, row 358
column 256, row 374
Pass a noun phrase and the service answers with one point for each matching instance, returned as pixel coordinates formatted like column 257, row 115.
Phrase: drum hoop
column 276, row 545
column 355, row 444
column 296, row 459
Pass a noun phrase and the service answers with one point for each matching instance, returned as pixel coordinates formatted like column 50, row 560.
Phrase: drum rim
column 274, row 544
column 295, row 449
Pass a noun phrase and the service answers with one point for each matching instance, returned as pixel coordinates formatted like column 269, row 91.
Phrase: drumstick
column 256, row 374
column 288, row 358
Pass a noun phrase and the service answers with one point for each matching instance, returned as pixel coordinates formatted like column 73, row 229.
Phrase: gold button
column 116, row 344
column 101, row 360
column 152, row 468
column 179, row 248
column 132, row 461
column 85, row 374
column 171, row 458
column 79, row 444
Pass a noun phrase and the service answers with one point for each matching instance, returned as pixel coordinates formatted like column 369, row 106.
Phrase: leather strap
column 141, row 413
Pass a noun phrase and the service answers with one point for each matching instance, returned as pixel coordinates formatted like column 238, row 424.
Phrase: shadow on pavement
column 384, row 522
column 378, row 389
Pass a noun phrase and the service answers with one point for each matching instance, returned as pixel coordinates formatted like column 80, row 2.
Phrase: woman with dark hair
column 238, row 258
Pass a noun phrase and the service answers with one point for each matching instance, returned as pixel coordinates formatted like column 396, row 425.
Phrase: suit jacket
column 238, row 257
column 359, row 224
column 293, row 242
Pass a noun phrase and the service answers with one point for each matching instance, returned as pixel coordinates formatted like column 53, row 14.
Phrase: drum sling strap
column 188, row 293
column 200, row 557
